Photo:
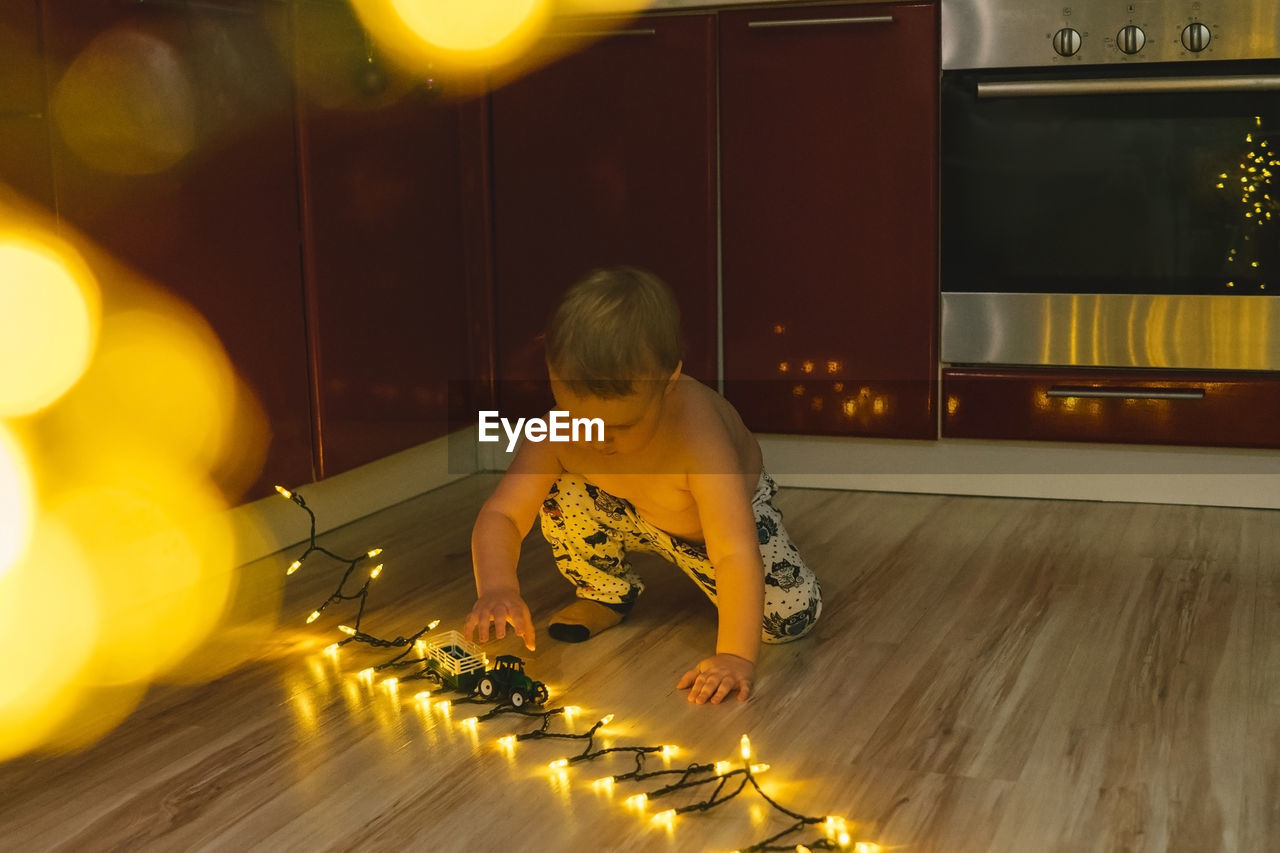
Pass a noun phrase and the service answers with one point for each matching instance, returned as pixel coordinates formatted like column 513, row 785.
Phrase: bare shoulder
column 711, row 433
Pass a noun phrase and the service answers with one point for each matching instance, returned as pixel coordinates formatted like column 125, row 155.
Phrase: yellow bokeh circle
column 17, row 501
column 449, row 35
column 49, row 609
column 160, row 551
column 160, row 383
column 48, row 320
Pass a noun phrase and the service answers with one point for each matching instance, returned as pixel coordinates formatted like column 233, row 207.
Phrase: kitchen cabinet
column 605, row 158
column 1209, row 408
column 828, row 139
column 382, row 165
column 24, row 143
column 201, row 195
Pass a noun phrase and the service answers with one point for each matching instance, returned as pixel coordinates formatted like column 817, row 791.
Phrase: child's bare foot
column 582, row 620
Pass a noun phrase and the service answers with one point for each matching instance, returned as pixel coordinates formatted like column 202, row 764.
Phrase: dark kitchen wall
column 260, row 161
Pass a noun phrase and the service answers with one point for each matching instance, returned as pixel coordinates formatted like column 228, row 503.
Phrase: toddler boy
column 677, row 473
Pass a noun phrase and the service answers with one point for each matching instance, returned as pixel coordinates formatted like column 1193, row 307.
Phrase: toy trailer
column 458, row 663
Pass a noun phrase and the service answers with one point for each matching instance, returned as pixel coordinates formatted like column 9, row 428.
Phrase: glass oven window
column 1114, row 193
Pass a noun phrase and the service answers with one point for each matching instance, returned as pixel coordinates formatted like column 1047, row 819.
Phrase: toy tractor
column 507, row 679
column 460, row 665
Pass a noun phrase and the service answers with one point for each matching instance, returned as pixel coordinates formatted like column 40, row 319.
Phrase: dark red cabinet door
column 829, row 217
column 218, row 227
column 24, row 137
column 605, row 158
column 382, row 189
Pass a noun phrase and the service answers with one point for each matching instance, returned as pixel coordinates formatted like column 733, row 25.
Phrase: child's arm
column 729, row 529
column 500, row 527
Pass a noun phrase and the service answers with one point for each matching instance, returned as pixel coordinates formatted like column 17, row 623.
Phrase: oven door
column 1117, row 217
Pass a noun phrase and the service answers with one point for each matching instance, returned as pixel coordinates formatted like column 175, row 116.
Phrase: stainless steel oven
column 1110, row 184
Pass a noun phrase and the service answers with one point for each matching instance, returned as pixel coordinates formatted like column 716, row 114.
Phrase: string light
column 1254, row 175
column 726, row 779
column 353, row 632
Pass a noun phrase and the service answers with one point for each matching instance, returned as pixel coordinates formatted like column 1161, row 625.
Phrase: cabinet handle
column 593, row 34
column 1132, row 86
column 820, row 22
column 1128, row 393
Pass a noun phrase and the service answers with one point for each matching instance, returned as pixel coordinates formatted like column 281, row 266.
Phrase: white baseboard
column 1059, row 470
column 266, row 526
column 1096, row 472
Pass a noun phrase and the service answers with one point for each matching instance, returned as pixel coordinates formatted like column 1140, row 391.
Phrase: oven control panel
column 1030, row 33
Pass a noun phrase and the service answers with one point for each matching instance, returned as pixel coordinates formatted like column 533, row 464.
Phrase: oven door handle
column 1126, row 86
column 1126, row 393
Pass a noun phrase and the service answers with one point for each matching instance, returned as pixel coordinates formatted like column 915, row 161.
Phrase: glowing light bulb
column 842, row 839
column 375, row 552
column 377, row 570
column 347, row 629
column 558, row 763
column 745, row 746
column 422, row 696
column 315, row 614
column 444, row 705
column 284, row 492
column 669, row 749
column 365, row 674
column 605, row 720
column 866, row 847
column 637, row 801
column 331, row 649
column 507, row 741
column 723, row 767
column 570, row 711
column 604, row 783
column 800, row 848
column 471, row 722
column 391, row 683
column 667, row 817
column 759, row 768
column 432, row 625
column 293, row 567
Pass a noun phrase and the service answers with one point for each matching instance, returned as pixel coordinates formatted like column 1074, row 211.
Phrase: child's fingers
column 687, row 679
column 723, row 690
column 524, row 626
column 744, row 689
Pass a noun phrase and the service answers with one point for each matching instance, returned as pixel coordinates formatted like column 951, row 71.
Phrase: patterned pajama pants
column 591, row 531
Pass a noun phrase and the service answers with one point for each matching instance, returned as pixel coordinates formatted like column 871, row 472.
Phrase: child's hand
column 716, row 677
column 500, row 607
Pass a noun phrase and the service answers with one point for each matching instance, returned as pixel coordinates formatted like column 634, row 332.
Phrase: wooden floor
column 988, row 675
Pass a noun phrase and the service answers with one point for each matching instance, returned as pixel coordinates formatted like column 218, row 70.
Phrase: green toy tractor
column 507, row 679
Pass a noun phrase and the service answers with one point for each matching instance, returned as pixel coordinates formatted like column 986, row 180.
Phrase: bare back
column 699, row 432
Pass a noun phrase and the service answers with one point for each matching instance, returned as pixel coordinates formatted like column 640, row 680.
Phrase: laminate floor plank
column 988, row 675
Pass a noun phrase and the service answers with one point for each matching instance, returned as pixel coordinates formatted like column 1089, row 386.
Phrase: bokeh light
column 161, row 554
column 428, row 35
column 126, row 104
column 160, row 383
column 17, row 501
column 601, row 7
column 47, row 325
column 117, row 553
column 49, row 607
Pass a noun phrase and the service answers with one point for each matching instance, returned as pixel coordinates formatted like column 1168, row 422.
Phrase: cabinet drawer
column 1138, row 407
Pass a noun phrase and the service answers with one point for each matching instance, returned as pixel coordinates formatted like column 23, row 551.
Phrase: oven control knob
column 1066, row 41
column 1131, row 39
column 1195, row 37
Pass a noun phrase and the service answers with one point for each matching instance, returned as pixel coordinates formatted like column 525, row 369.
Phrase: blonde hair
column 612, row 328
